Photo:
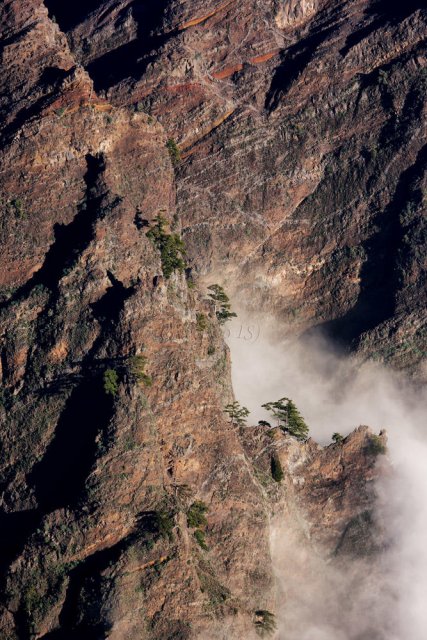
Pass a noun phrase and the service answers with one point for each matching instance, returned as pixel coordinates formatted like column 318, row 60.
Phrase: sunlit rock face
column 302, row 130
column 293, row 12
column 300, row 183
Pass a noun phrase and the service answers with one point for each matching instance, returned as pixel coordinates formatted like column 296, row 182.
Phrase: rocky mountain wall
column 302, row 131
column 114, row 374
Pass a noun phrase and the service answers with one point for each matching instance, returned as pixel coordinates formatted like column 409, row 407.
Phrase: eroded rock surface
column 302, row 126
column 302, row 165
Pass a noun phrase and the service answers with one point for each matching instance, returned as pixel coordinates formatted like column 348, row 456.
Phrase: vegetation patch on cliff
column 288, row 417
column 170, row 245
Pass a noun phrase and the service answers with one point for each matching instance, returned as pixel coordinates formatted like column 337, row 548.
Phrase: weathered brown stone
column 297, row 153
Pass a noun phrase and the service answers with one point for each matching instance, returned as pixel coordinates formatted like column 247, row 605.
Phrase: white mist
column 337, row 394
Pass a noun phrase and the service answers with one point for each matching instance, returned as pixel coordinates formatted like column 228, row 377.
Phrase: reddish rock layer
column 302, row 126
column 98, row 467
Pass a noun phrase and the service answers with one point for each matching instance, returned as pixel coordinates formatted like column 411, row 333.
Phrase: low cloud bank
column 336, row 394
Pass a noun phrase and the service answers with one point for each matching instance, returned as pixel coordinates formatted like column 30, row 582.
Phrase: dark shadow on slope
column 50, row 82
column 107, row 310
column 379, row 13
column 379, row 276
column 83, row 614
column 71, row 239
column 85, row 577
column 294, row 60
column 129, row 60
column 16, row 37
column 85, row 620
column 54, row 76
column 58, row 479
column 70, row 14
column 14, row 530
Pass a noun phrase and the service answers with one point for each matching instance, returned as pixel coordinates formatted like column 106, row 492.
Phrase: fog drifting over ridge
column 337, row 394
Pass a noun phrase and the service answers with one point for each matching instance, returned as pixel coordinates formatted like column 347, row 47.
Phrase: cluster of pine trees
column 284, row 411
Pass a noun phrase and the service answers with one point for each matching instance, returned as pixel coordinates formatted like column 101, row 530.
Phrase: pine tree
column 136, row 370
column 296, row 423
column 288, row 417
column 222, row 303
column 171, row 247
column 279, row 409
column 174, row 151
column 238, row 415
column 157, row 232
column 337, row 438
column 111, row 382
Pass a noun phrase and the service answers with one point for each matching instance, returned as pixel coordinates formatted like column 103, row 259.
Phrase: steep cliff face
column 96, row 480
column 113, row 376
column 302, row 127
column 327, row 541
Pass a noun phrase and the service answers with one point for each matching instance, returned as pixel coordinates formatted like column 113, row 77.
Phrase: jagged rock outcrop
column 331, row 487
column 327, row 539
column 113, row 376
column 95, row 486
column 302, row 127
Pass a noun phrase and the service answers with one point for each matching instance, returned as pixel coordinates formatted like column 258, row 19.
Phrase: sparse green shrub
column 265, row 623
column 129, row 444
column 374, row 151
column 383, row 77
column 276, row 469
column 157, row 233
column 215, row 591
column 111, row 382
column 40, row 289
column 238, row 415
column 174, row 152
column 201, row 540
column 337, row 438
column 136, row 370
column 164, row 522
column 222, row 303
column 40, row 594
column 375, row 446
column 408, row 212
column 18, row 207
column 288, row 417
column 202, row 322
column 171, row 247
column 196, row 514
column 172, row 253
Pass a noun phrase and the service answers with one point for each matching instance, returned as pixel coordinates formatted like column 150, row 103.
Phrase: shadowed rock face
column 301, row 133
column 302, row 126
